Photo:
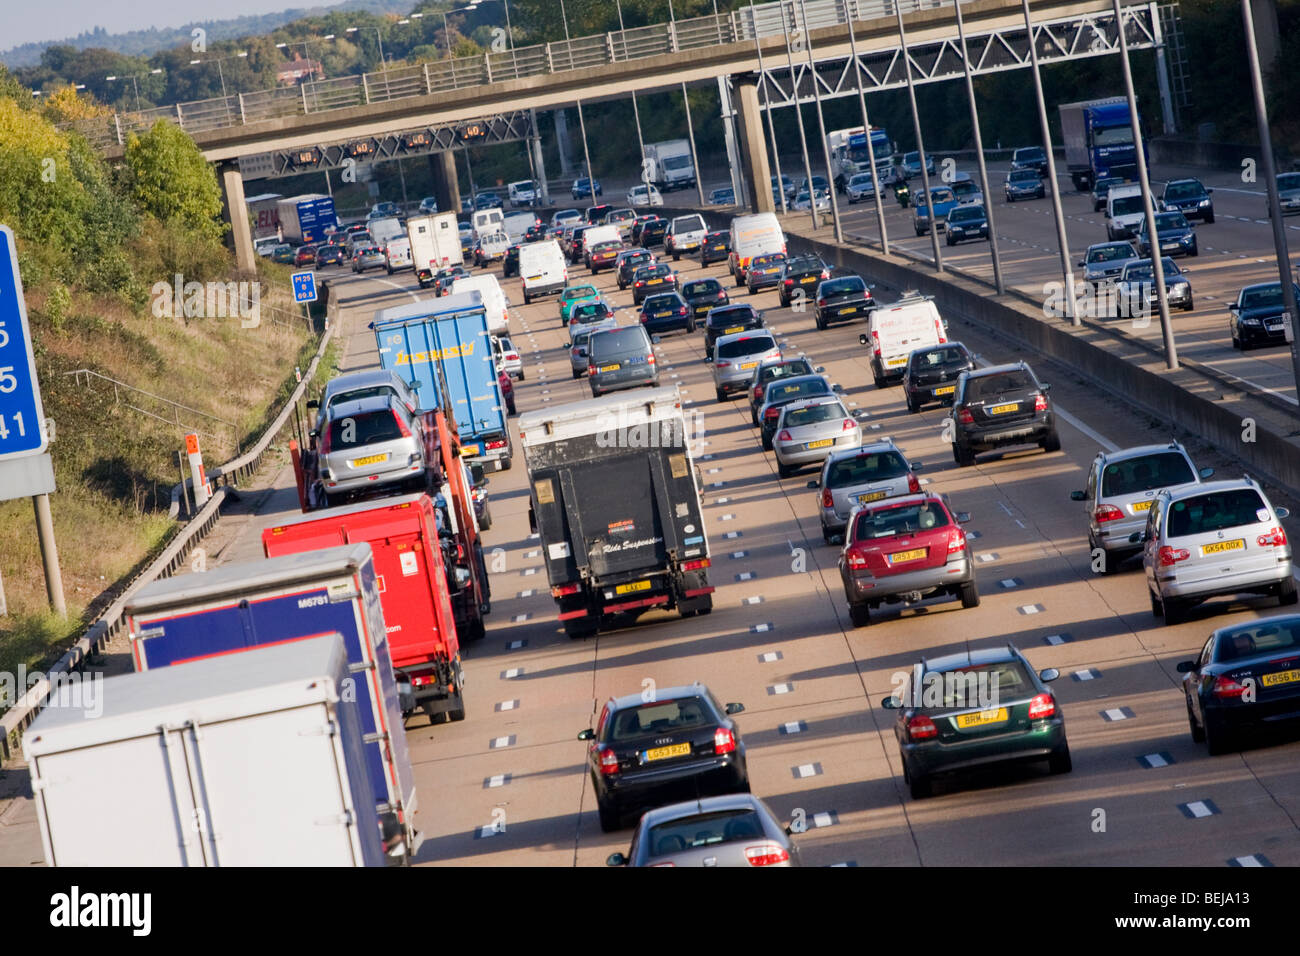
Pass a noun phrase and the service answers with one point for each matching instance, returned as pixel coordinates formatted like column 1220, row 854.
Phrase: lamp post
column 871, row 147
column 225, row 100
column 920, row 145
column 821, row 126
column 582, row 124
column 979, row 155
column 798, row 112
column 134, row 83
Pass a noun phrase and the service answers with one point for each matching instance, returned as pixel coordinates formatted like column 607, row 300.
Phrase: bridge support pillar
column 446, row 183
column 753, row 148
column 236, row 210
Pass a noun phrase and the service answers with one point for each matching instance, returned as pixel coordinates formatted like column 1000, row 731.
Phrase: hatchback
column 1210, row 540
column 944, row 201
column 703, row 295
column 775, row 371
column 652, row 232
column 722, row 197
column 904, row 550
column 737, row 830
column 736, row 356
column 367, row 256
column 283, row 253
column 620, row 358
column 628, row 261
column 575, row 295
column 845, row 297
column 859, row 476
column 681, row 741
column 1030, row 157
column 580, row 348
column 764, row 272
column 975, row 709
column 715, row 247
column 444, row 279
column 811, row 429
column 781, row 393
column 649, row 279
column 587, row 314
column 801, row 272
column 1002, row 405
column 1024, row 184
column 728, row 320
column 860, row 187
column 329, row 255
column 967, row 222
column 931, row 374
column 353, row 386
column 369, row 443
column 603, row 254
column 1121, row 488
column 664, row 311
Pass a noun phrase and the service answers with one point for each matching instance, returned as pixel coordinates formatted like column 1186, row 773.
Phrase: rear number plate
column 469, row 451
column 852, row 308
column 824, row 443
column 633, row 587
column 983, row 717
column 945, row 390
column 733, row 329
column 749, row 365
column 1141, row 506
column 1003, row 409
column 808, row 279
column 1220, row 546
column 660, row 753
column 662, row 315
column 872, row 496
column 899, row 556
column 895, row 362
column 610, row 368
column 368, row 460
column 1280, row 677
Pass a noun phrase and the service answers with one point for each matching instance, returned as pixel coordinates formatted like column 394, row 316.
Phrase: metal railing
column 457, row 73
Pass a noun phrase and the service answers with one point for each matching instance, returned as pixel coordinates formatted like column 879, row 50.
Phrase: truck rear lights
column 563, row 590
column 608, row 761
column 495, row 444
column 724, row 741
column 695, row 564
column 1042, row 706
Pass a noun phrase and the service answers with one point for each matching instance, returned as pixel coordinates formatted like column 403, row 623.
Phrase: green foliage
column 169, row 179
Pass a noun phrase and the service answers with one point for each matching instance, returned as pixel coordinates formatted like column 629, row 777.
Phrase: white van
column 381, row 230
column 491, row 248
column 517, row 223
column 913, row 322
column 597, row 234
column 523, row 193
column 543, row 270
column 397, row 254
column 488, row 221
column 756, row 235
column 1124, row 211
column 494, row 300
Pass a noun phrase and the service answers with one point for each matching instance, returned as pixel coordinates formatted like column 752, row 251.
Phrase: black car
column 704, row 294
column 329, row 255
column 779, row 394
column 647, row 280
column 575, row 244
column 801, row 272
column 844, row 298
column 764, row 272
column 652, row 232
column 632, row 260
column 1175, row 235
column 715, row 247
column 510, row 265
column 640, row 223
column 770, row 372
column 668, row 310
column 1002, row 405
column 1030, row 157
column 595, row 214
column 931, row 374
column 1245, row 678
column 726, row 320
column 681, row 741
column 967, row 222
column 1190, row 197
column 535, row 233
column 1256, row 317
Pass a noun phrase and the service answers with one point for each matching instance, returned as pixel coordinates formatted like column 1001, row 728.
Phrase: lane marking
column 792, row 727
column 506, row 705
column 770, row 657
column 499, row 743
column 497, row 780
column 1088, row 674
column 1155, row 761
column 1199, row 809
column 512, row 673
column 1057, row 639
column 777, row 689
column 1117, row 714
column 805, row 770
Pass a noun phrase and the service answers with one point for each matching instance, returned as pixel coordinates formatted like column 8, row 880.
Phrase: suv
column 1121, row 487
column 1213, row 539
column 681, row 740
column 369, row 442
column 620, row 358
column 1190, row 197
column 684, row 234
column 801, row 272
column 859, row 476
column 737, row 355
column 1002, row 405
column 974, row 708
column 903, row 550
column 931, row 374
column 728, row 320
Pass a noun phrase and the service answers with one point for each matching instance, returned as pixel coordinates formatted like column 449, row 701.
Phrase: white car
column 507, row 357
column 643, row 195
column 522, row 193
column 823, row 199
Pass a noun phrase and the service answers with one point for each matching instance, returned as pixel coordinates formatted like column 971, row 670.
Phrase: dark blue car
column 1256, row 317
column 583, row 188
column 667, row 310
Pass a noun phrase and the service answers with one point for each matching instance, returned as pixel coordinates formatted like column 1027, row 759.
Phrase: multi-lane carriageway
column 508, row 785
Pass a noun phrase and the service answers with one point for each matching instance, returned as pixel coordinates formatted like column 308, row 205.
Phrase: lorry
column 304, row 219
column 614, row 497
column 1098, row 141
column 384, row 228
column 235, row 607
column 264, row 211
column 443, row 346
column 668, row 165
column 252, row 759
column 851, row 155
column 518, row 223
column 487, row 221
column 403, row 534
column 435, row 244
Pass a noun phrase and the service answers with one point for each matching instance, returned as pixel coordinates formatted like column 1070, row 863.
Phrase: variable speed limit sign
column 22, row 418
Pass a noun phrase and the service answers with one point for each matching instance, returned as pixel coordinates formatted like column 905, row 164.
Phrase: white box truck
column 668, row 165
column 435, row 244
column 250, row 759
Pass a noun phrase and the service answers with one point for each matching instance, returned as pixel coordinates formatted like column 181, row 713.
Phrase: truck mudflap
column 583, row 608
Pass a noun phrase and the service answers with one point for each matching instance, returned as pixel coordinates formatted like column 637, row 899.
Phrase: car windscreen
column 1110, row 253
column 849, row 284
column 350, row 431
column 1030, row 154
column 702, row 287
column 787, row 392
column 1141, row 271
column 1215, row 511
column 942, row 195
column 1148, row 472
column 938, row 358
column 1168, row 220
column 861, row 469
column 620, row 341
column 965, row 187
column 902, row 519
column 860, row 180
column 991, row 386
column 1184, row 191
column 661, row 717
column 754, row 345
column 813, row 415
column 595, row 312
column 706, row 829
column 1265, row 297
column 1263, row 637
column 966, row 214
column 769, row 373
column 677, row 162
column 1023, row 176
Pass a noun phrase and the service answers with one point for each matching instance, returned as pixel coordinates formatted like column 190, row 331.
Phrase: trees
column 169, row 179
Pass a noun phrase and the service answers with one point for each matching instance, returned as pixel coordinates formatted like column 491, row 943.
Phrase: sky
column 57, row 19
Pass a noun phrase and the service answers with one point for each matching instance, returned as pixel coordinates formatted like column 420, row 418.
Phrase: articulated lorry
column 304, row 219
column 1098, row 141
column 252, row 759
column 850, row 154
column 264, row 210
column 615, row 498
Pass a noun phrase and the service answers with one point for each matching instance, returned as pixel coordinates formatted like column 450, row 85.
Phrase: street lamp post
column 582, row 124
column 134, row 83
column 798, row 112
column 242, row 54
column 821, row 126
column 979, row 155
column 636, row 115
column 871, row 146
column 920, row 145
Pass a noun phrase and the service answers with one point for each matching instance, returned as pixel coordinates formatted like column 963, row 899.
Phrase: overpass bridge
column 433, row 108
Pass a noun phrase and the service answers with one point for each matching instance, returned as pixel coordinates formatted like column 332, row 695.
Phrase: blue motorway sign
column 22, row 418
column 304, row 286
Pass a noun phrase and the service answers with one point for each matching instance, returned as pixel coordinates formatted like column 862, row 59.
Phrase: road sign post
column 304, row 286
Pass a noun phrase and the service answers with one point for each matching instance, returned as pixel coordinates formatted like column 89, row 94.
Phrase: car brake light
column 591, row 370
column 821, row 301
column 722, row 364
column 650, row 359
column 1275, row 537
column 1168, row 556
column 828, row 498
column 956, row 540
column 1044, row 705
column 1040, row 402
column 1227, row 687
column 1107, row 513
column 785, row 435
column 758, row 393
column 771, row 415
column 789, row 282
column 681, row 311
column 724, row 741
column 766, row 854
column 849, row 425
column 965, row 417
column 401, row 425
column 921, row 727
column 608, row 761
column 913, row 484
column 561, row 590
column 640, row 282
column 825, row 274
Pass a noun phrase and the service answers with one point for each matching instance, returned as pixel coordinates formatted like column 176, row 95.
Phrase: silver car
column 578, row 351
column 1288, row 188
column 358, row 385
column 620, row 358
column 1135, row 289
column 1105, row 260
column 736, row 356
column 810, row 430
column 859, row 476
column 860, row 187
column 369, row 443
column 738, row 829
column 1213, row 539
column 367, row 257
column 1121, row 488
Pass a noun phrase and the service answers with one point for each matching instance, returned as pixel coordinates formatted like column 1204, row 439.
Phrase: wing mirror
column 1185, row 667
column 587, row 734
column 1048, row 675
column 819, row 369
column 1078, row 496
column 1282, row 512
column 1206, row 472
column 1046, row 387
column 734, row 708
column 837, row 388
column 313, row 434
column 891, row 703
column 616, row 859
column 917, row 465
column 963, row 517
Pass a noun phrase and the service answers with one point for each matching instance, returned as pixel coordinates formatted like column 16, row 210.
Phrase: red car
column 603, row 254
column 507, row 391
column 305, row 256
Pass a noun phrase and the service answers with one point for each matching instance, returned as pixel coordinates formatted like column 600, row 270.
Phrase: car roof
column 366, row 379
column 1138, row 451
column 693, row 808
column 637, row 699
column 810, row 402
column 972, row 658
column 872, row 448
column 996, row 369
column 748, row 333
column 364, row 406
column 1208, row 487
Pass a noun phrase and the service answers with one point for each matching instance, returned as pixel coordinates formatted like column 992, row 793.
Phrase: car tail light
column 965, row 417
column 758, row 393
column 696, row 564
column 785, row 435
column 650, row 359
column 956, row 540
column 771, row 415
column 681, row 311
column 1168, row 556
column 1227, row 687
column 722, row 364
column 789, row 282
column 825, row 274
column 1107, row 513
column 766, row 854
column 828, row 498
column 1275, row 537
column 644, row 317
column 639, row 282
column 499, row 443
column 1040, row 402
column 562, row 590
column 913, row 484
column 921, row 727
column 875, row 338
column 724, row 741
column 608, row 761
column 591, row 370
column 324, row 443
column 849, row 425
column 1043, row 705
column 401, row 425
column 821, row 301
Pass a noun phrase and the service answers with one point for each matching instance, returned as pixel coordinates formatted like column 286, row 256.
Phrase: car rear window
column 356, row 394
column 608, row 246
column 688, row 224
column 1215, row 511
column 595, row 312
column 991, row 386
column 900, row 519
column 726, row 318
column 804, row 264
column 708, row 829
column 786, row 393
column 938, row 358
column 814, row 415
column 350, row 431
column 971, row 687
column 658, row 718
column 753, row 345
column 784, row 370
column 620, row 341
column 842, row 286
column 860, row 469
column 702, row 287
column 1263, row 637
column 1161, row 470
column 661, row 302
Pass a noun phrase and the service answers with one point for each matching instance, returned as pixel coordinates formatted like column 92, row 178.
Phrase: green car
column 973, row 709
column 573, row 295
column 283, row 253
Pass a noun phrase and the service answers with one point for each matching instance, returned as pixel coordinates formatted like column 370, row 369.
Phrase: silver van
column 621, row 358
